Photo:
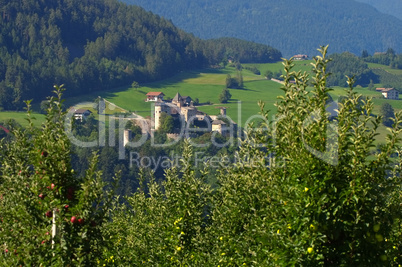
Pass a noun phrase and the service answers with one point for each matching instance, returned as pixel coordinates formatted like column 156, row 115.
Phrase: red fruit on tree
column 81, row 221
column 49, row 214
column 73, row 220
column 52, row 186
column 41, row 196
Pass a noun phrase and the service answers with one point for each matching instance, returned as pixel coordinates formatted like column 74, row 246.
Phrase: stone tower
column 158, row 112
column 177, row 100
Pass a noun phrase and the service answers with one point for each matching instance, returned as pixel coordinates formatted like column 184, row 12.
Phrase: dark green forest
column 293, row 26
column 95, row 45
column 348, row 64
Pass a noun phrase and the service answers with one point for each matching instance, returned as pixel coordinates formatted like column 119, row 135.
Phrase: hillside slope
column 291, row 26
column 92, row 45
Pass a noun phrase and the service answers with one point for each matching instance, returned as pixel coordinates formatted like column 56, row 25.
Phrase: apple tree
column 48, row 215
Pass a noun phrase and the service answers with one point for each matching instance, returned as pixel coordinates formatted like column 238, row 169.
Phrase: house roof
column 81, row 111
column 381, row 89
column 300, row 56
column 155, row 94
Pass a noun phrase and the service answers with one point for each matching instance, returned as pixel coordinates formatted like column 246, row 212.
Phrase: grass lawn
column 21, row 117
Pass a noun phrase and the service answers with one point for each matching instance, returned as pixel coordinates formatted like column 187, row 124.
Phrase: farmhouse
column 300, row 57
column 389, row 93
column 155, row 96
column 81, row 114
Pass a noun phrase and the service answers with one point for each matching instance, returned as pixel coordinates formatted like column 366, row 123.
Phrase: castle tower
column 158, row 112
column 177, row 100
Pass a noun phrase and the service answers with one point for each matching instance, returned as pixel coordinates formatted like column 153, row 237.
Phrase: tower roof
column 177, row 97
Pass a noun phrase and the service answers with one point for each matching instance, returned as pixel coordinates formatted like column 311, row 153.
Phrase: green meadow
column 21, row 117
column 206, row 85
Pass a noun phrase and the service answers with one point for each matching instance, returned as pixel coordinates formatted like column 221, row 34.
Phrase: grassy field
column 21, row 117
column 206, row 85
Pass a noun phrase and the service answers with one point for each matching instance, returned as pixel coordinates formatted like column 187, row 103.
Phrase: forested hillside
column 391, row 7
column 291, row 26
column 92, row 45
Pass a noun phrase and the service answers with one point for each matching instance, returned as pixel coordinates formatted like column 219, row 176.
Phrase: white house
column 389, row 93
column 155, row 96
column 81, row 114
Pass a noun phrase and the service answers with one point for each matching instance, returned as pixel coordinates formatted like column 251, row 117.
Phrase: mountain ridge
column 390, row 7
column 291, row 26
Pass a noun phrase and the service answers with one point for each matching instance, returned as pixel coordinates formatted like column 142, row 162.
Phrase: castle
column 181, row 107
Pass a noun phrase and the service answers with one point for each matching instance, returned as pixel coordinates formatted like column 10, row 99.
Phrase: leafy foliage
column 304, row 190
column 49, row 215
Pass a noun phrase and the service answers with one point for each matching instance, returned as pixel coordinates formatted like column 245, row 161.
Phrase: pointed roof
column 177, row 97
